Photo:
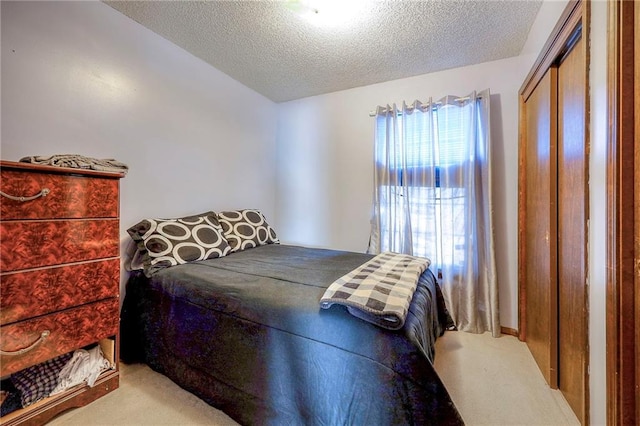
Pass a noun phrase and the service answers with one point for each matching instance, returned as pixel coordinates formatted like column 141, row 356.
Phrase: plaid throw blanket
column 380, row 290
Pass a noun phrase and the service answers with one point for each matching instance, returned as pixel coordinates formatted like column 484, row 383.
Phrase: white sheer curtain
column 432, row 198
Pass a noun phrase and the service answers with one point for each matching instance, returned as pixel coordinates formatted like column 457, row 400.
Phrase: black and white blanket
column 380, row 290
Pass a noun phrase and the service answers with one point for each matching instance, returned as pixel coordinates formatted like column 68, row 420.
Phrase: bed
column 245, row 333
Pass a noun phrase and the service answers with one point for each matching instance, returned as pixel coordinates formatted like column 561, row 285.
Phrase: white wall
column 79, row 77
column 325, row 162
column 597, row 238
column 546, row 20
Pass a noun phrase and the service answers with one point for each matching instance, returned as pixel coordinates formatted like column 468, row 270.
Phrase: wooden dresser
column 59, row 275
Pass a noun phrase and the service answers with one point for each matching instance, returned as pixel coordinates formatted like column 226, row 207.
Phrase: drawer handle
column 41, row 339
column 42, row 193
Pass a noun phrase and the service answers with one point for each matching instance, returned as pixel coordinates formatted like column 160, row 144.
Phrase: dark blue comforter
column 246, row 334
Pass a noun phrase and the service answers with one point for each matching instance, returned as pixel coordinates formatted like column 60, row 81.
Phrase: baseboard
column 509, row 331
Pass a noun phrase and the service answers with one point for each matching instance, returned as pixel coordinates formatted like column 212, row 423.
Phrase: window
column 427, row 170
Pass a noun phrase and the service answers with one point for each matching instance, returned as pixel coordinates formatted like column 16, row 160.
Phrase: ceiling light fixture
column 329, row 13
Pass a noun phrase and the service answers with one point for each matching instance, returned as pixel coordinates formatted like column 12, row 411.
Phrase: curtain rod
column 462, row 99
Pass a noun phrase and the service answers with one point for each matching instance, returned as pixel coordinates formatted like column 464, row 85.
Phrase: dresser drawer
column 68, row 196
column 46, row 337
column 42, row 291
column 32, row 244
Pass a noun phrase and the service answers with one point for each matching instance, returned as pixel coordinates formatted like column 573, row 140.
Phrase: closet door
column 572, row 231
column 538, row 226
column 553, row 206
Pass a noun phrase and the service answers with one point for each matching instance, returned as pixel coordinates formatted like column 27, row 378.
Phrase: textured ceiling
column 272, row 48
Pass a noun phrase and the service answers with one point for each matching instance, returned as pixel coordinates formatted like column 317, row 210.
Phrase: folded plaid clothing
column 37, row 382
column 78, row 162
column 380, row 290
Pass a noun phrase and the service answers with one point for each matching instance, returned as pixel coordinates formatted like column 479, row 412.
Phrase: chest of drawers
column 59, row 274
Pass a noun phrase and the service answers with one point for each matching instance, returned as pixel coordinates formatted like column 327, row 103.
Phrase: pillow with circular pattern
column 246, row 228
column 169, row 242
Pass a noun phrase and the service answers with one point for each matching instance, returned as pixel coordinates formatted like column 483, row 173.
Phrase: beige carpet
column 497, row 382
column 492, row 382
column 145, row 398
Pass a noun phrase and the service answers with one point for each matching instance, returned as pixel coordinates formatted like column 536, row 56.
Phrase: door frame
column 623, row 215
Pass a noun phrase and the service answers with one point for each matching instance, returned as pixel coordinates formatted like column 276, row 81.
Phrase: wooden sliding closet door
column 572, row 231
column 553, row 203
column 539, row 226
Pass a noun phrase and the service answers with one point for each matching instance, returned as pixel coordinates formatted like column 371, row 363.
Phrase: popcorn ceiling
column 272, row 49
